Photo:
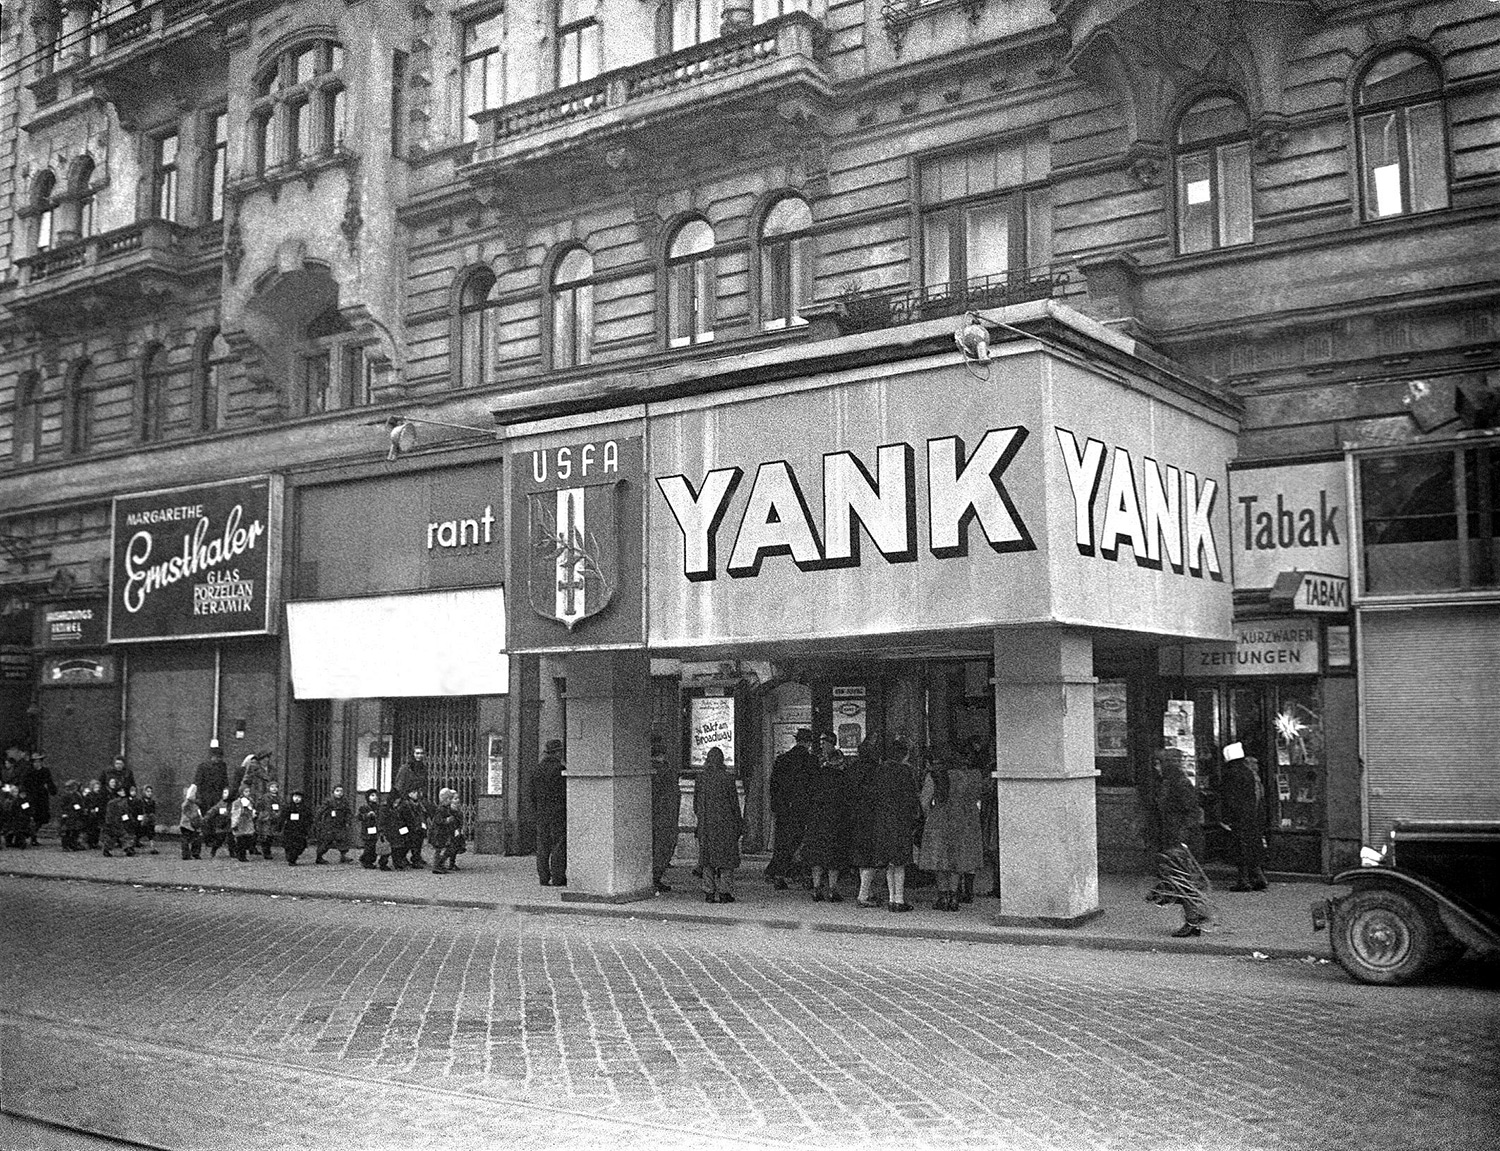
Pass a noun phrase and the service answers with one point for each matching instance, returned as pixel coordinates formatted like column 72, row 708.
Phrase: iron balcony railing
column 891, row 307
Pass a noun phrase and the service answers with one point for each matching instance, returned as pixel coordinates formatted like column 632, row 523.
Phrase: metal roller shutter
column 1431, row 682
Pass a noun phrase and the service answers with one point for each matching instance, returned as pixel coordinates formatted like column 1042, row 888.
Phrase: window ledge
column 307, row 169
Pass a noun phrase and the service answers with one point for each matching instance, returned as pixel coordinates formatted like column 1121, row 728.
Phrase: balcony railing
column 797, row 33
column 92, row 252
column 892, row 307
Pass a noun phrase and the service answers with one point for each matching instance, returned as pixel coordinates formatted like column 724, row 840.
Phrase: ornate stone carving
column 352, row 222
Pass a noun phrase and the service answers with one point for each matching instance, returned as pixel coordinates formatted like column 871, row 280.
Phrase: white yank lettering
column 959, row 490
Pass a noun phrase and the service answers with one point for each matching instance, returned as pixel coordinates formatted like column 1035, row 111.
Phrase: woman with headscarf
column 825, row 840
column 721, row 823
column 1180, row 879
column 951, row 843
column 890, row 813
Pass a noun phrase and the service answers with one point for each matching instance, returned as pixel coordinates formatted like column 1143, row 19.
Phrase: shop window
column 573, row 309
column 214, row 359
column 475, row 320
column 1429, row 520
column 1402, row 136
column 578, row 49
column 974, row 215
column 1299, row 778
column 1213, row 176
column 690, row 276
column 786, row 263
column 78, row 399
column 483, row 71
column 155, row 377
column 164, row 176
column 298, row 107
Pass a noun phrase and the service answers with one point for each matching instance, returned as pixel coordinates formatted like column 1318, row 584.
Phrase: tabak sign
column 576, row 547
column 194, row 562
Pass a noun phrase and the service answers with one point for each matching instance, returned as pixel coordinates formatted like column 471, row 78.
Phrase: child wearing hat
column 216, row 824
column 369, row 829
column 119, row 824
column 294, row 828
column 332, row 826
column 242, row 824
column 447, row 832
column 190, row 825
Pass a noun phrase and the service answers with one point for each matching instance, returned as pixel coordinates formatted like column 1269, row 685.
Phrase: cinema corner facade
column 867, row 523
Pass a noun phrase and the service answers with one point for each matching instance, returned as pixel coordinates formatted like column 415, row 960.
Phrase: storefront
column 396, row 635
column 910, row 547
column 1285, row 688
column 78, row 686
column 194, row 607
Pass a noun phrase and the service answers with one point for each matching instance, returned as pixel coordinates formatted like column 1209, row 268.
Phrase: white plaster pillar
column 609, row 777
column 1044, row 753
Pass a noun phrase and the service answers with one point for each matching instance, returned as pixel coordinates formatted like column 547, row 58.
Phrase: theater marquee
column 190, row 563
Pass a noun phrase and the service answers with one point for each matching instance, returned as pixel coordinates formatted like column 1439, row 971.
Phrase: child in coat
column 216, row 825
column 146, row 832
column 94, row 800
column 268, row 818
column 242, row 824
column 332, row 826
column 70, row 817
column 18, row 823
column 394, row 828
column 447, row 832
column 294, row 829
column 369, row 829
column 119, row 824
column 191, row 824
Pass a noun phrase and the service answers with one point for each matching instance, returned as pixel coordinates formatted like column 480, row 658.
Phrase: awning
column 384, row 647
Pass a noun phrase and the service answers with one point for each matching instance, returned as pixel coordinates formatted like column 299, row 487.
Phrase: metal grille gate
column 317, row 757
column 447, row 728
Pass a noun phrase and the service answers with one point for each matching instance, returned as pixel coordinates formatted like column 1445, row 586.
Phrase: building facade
column 240, row 238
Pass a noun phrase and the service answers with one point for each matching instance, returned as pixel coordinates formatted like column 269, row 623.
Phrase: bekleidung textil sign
column 195, row 562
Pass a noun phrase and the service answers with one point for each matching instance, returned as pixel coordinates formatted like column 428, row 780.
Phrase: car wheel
column 1382, row 936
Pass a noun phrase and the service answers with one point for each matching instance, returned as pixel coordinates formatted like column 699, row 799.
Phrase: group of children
column 392, row 833
column 120, row 817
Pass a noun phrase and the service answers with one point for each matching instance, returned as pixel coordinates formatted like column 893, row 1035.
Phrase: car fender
column 1463, row 924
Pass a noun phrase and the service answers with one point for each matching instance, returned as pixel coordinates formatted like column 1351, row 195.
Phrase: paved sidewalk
column 1274, row 923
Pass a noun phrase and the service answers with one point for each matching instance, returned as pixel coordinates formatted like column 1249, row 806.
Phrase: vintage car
column 1433, row 893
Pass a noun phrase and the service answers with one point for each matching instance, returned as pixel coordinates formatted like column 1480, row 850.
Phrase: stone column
column 1044, row 746
column 609, row 777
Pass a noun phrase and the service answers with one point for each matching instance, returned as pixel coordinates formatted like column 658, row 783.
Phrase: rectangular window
column 44, row 230
column 577, row 42
column 164, row 177
column 1214, row 199
column 690, row 302
column 299, row 130
column 968, row 246
column 317, row 381
column 1430, row 521
column 694, row 22
column 483, row 69
column 973, row 217
column 218, row 166
column 1405, row 161
column 357, row 376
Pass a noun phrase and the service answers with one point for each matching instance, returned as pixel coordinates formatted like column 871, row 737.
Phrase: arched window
column 155, row 377
column 1214, row 207
column 786, row 263
column 26, row 436
column 573, row 309
column 78, row 400
column 297, row 106
column 42, row 208
column 690, row 285
column 214, row 358
column 474, row 324
column 1402, row 133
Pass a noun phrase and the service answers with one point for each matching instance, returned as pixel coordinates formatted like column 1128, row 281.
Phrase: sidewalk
column 1273, row 924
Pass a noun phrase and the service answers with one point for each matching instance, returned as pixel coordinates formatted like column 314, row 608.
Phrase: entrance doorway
column 447, row 729
column 1280, row 723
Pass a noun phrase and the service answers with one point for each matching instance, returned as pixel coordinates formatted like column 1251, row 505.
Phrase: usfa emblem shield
column 574, row 538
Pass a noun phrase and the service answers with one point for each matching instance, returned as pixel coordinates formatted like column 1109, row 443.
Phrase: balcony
column 892, row 307
column 629, row 121
column 136, row 54
column 119, row 271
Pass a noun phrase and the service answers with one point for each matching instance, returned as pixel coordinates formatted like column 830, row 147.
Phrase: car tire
column 1385, row 937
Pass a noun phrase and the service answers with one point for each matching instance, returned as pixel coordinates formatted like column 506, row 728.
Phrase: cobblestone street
column 409, row 1025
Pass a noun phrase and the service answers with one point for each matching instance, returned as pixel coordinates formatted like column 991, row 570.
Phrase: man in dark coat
column 416, row 775
column 211, row 776
column 121, row 772
column 549, row 802
column 39, row 788
column 825, row 841
column 1243, row 797
column 791, row 779
column 666, row 817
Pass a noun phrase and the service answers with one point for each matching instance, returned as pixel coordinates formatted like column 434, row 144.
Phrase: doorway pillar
column 609, row 777
column 1044, row 755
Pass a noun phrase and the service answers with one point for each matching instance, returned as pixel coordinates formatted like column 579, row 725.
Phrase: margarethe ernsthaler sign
column 195, row 562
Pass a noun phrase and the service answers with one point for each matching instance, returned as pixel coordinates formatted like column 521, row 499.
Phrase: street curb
column 1198, row 946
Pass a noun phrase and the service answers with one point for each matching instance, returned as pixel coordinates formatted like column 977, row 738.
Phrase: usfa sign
column 576, row 545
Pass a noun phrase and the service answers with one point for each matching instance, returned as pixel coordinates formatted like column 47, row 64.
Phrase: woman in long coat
column 951, row 842
column 720, row 826
column 889, row 811
column 825, row 842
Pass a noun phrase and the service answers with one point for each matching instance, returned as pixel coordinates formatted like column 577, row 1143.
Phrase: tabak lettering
column 1294, row 527
column 1163, row 514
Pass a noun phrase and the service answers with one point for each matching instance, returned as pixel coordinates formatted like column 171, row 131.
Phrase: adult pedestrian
column 825, row 837
column 39, row 787
column 951, row 843
column 17, row 763
column 1243, row 798
column 549, row 804
column 416, row 776
column 255, row 773
column 1179, row 818
column 666, row 813
column 790, row 787
column 211, row 776
column 120, row 771
column 331, row 827
column 891, row 824
column 721, row 824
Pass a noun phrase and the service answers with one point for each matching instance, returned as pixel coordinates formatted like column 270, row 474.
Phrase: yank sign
column 190, row 563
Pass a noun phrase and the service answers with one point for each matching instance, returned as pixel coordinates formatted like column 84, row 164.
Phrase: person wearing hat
column 447, row 832
column 825, row 838
column 120, row 771
column 295, row 826
column 370, row 816
column 39, row 787
column 1243, row 797
column 211, row 776
column 666, row 818
column 332, row 826
column 790, row 787
column 721, row 825
column 549, row 804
